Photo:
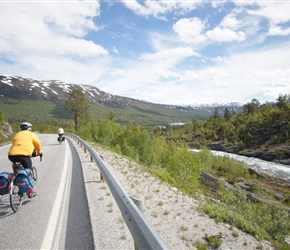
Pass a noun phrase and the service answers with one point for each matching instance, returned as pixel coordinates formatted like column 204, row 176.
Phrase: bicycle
column 60, row 138
column 16, row 198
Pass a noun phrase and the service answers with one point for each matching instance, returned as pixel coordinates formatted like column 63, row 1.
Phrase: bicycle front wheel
column 34, row 176
column 16, row 197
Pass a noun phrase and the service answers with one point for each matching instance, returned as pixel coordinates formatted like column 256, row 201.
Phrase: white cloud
column 51, row 27
column 208, row 74
column 277, row 14
column 71, row 18
column 238, row 78
column 167, row 64
column 150, row 69
column 171, row 54
column 46, row 40
column 219, row 59
column 115, row 50
column 225, row 35
column 276, row 30
column 229, row 21
column 190, row 30
column 158, row 9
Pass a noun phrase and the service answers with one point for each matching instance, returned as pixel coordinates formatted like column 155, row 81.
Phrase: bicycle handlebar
column 40, row 156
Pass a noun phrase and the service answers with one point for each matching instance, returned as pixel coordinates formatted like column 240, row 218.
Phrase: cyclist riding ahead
column 23, row 145
column 60, row 133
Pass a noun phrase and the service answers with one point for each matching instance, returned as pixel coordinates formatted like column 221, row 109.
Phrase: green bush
column 263, row 220
column 223, row 166
column 172, row 162
column 182, row 165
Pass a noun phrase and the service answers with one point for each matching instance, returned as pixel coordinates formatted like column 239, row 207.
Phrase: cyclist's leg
column 14, row 158
column 27, row 163
column 15, row 196
column 32, row 192
column 60, row 137
column 24, row 160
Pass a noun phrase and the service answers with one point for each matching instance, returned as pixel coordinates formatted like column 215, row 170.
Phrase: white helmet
column 25, row 125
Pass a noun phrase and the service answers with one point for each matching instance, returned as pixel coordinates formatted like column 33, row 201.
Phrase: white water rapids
column 271, row 168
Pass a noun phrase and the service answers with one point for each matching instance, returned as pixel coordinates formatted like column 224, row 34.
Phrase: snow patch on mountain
column 57, row 90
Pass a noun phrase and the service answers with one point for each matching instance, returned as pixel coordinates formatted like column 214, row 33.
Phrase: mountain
column 15, row 91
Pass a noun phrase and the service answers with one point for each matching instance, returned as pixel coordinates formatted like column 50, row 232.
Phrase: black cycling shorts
column 24, row 160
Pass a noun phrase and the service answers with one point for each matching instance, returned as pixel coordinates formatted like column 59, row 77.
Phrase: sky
column 169, row 52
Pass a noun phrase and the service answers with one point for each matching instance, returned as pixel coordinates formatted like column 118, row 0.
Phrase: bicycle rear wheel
column 34, row 176
column 16, row 197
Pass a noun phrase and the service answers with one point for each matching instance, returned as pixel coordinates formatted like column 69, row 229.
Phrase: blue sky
column 169, row 52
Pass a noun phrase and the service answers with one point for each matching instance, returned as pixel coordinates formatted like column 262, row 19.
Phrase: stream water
column 271, row 168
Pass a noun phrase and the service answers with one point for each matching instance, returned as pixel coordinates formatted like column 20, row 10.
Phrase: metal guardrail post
column 144, row 235
column 139, row 204
column 101, row 177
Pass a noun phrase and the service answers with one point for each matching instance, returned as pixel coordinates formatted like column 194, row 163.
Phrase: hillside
column 44, row 100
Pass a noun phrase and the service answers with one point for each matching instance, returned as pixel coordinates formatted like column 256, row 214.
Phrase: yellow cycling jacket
column 24, row 142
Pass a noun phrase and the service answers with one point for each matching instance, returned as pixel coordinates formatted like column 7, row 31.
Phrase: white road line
column 6, row 146
column 56, row 209
column 60, row 229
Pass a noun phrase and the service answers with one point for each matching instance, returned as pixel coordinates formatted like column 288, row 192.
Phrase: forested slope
column 261, row 131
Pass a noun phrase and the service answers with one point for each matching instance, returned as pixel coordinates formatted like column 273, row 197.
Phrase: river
column 271, row 168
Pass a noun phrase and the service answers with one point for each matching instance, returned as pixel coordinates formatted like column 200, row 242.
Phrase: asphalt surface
column 58, row 217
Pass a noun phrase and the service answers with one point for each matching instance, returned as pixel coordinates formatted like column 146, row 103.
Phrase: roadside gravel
column 173, row 215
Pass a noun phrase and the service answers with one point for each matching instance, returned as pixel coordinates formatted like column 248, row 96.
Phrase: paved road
column 58, row 217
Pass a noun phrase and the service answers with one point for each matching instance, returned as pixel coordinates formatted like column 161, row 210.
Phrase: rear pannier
column 4, row 182
column 24, row 180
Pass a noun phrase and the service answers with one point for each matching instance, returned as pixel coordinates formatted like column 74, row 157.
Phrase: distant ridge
column 20, row 88
column 26, row 88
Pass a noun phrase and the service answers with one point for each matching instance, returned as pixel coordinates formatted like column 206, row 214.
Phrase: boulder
column 6, row 130
column 214, row 184
column 255, row 172
column 222, row 146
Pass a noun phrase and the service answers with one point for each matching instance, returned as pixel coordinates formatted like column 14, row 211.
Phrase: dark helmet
column 25, row 125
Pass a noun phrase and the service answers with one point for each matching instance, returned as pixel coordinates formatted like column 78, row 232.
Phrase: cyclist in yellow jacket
column 23, row 145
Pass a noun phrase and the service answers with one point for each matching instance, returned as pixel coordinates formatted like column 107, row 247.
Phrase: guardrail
column 144, row 235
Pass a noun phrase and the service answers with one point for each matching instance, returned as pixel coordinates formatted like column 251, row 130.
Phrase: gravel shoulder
column 174, row 215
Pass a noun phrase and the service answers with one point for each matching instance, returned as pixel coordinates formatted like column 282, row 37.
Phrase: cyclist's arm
column 37, row 144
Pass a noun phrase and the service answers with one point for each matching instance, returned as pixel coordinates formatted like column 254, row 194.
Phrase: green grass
column 264, row 221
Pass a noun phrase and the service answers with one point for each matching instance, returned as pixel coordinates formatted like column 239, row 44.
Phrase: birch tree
column 77, row 104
